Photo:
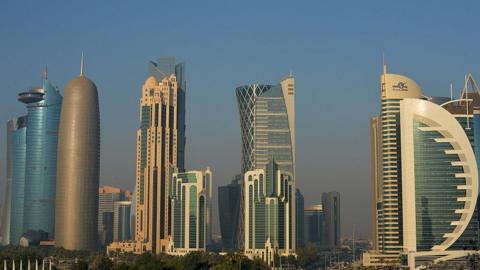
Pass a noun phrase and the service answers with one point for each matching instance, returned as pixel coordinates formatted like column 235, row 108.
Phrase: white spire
column 81, row 65
column 384, row 65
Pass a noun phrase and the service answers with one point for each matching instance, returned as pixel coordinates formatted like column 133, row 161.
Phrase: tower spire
column 384, row 65
column 81, row 65
column 45, row 73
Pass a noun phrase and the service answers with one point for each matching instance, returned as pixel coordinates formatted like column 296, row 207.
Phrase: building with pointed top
column 76, row 212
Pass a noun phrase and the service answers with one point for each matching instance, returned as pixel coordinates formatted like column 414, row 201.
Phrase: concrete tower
column 78, row 166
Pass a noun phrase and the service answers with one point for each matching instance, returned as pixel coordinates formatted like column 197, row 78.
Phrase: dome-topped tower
column 78, row 166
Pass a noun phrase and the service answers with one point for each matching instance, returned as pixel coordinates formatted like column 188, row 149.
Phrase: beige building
column 160, row 150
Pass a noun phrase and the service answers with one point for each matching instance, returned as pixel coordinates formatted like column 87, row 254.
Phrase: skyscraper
column 76, row 213
column 269, row 213
column 300, row 228
column 43, row 104
column 267, row 123
column 314, row 225
column 16, row 158
column 160, row 149
column 191, row 196
column 229, row 212
column 121, row 221
column 107, row 197
column 433, row 141
column 331, row 214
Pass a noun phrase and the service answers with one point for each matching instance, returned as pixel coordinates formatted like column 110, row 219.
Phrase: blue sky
column 333, row 48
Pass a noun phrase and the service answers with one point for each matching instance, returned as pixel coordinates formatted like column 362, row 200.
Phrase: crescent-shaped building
column 78, row 167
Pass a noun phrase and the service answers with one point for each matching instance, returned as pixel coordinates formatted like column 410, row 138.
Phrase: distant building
column 269, row 214
column 300, row 228
column 314, row 225
column 107, row 197
column 17, row 136
column 14, row 127
column 191, row 195
column 331, row 213
column 229, row 212
column 121, row 221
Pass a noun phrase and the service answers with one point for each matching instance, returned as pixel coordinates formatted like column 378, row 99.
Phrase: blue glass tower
column 17, row 138
column 43, row 105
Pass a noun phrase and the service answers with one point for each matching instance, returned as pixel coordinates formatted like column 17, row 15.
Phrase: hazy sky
column 333, row 48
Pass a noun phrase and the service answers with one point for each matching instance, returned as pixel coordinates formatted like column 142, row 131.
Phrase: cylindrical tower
column 78, row 167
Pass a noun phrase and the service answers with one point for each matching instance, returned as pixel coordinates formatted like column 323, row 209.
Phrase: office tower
column 331, row 213
column 16, row 158
column 229, row 212
column 394, row 88
column 132, row 215
column 269, row 213
column 267, row 123
column 314, row 225
column 160, row 149
column 300, row 228
column 121, row 221
column 107, row 197
column 191, row 195
column 437, row 176
column 76, row 213
column 43, row 105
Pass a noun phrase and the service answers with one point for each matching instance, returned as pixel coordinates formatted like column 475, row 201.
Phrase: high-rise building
column 267, row 123
column 160, row 149
column 269, row 213
column 229, row 212
column 16, row 158
column 107, row 197
column 331, row 215
column 314, row 225
column 121, row 221
column 43, row 105
column 76, row 213
column 191, row 196
column 300, row 228
column 429, row 145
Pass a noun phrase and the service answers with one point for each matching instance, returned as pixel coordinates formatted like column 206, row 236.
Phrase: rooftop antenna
column 384, row 65
column 81, row 65
column 466, row 100
column 451, row 91
column 45, row 73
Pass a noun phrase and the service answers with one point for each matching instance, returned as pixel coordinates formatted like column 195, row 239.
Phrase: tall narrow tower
column 78, row 166
column 160, row 150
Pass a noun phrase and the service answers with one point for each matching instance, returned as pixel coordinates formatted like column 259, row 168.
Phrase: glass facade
column 270, row 209
column 314, row 225
column 121, row 221
column 41, row 158
column 18, row 159
column 190, row 195
column 331, row 211
column 265, row 127
column 299, row 226
column 229, row 212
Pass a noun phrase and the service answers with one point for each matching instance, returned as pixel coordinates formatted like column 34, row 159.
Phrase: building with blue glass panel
column 17, row 137
column 43, row 105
